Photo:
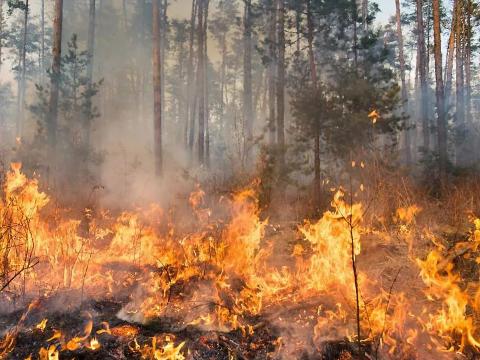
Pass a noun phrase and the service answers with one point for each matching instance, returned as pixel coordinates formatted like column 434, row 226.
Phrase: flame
column 228, row 273
column 41, row 325
column 49, row 354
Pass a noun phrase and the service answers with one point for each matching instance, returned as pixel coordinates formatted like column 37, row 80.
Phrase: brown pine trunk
column 365, row 15
column 190, row 121
column 449, row 61
column 163, row 46
column 247, row 80
column 355, row 35
column 200, row 84
column 55, row 77
column 281, row 79
column 459, row 83
column 205, row 84
column 401, row 59
column 42, row 49
column 23, row 84
column 91, row 53
column 422, row 71
column 157, row 89
column 272, row 39
column 222, row 80
column 1, row 32
column 439, row 92
column 468, row 63
column 313, row 76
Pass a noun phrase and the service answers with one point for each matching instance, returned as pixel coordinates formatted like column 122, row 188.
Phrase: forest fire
column 239, row 179
column 226, row 277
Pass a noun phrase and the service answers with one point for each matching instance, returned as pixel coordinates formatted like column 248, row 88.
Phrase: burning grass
column 143, row 284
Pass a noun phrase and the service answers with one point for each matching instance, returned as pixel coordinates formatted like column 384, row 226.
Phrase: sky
column 387, row 8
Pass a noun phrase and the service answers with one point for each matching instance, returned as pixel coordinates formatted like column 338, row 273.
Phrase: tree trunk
column 205, row 84
column 439, row 92
column 91, row 53
column 272, row 40
column 423, row 77
column 200, row 84
column 157, row 90
column 222, row 81
column 449, row 61
column 124, row 13
column 163, row 46
column 1, row 33
column 355, row 36
column 313, row 76
column 281, row 80
column 42, row 49
column 401, row 59
column 468, row 64
column 190, row 121
column 55, row 78
column 23, row 85
column 459, row 83
column 365, row 15
column 247, row 80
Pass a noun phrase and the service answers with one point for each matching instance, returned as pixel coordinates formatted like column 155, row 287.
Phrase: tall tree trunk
column 272, row 41
column 423, row 77
column 281, row 80
column 190, row 121
column 222, row 80
column 42, row 29
column 21, row 102
column 205, row 84
column 439, row 92
column 449, row 61
column 247, row 80
column 157, row 90
column 401, row 59
column 468, row 63
column 91, row 54
column 200, row 84
column 163, row 47
column 55, row 78
column 313, row 76
column 1, row 33
column 365, row 15
column 355, row 35
column 459, row 82
column 124, row 13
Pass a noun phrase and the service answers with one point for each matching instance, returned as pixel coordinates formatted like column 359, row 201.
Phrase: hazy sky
column 388, row 9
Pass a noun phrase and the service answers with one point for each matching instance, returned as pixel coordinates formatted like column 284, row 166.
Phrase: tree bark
column 449, row 61
column 200, row 84
column 55, row 78
column 313, row 76
column 281, row 80
column 401, row 59
column 459, row 83
column 247, row 80
column 272, row 41
column 42, row 49
column 157, row 90
column 91, row 54
column 163, row 47
column 1, row 33
column 468, row 63
column 205, row 84
column 355, row 35
column 190, row 122
column 23, row 85
column 439, row 92
column 423, row 77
